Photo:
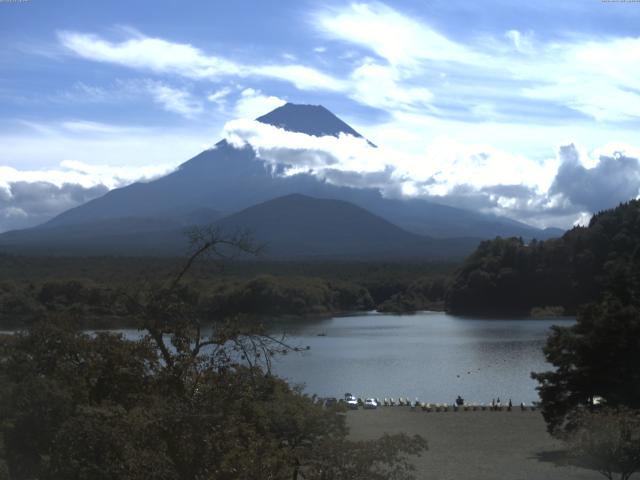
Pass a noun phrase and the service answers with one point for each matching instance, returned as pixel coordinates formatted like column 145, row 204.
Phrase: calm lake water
column 429, row 355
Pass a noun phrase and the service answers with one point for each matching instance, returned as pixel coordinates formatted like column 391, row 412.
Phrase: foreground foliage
column 177, row 404
column 597, row 358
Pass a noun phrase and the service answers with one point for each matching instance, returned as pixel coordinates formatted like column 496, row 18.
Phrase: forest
column 94, row 290
column 509, row 276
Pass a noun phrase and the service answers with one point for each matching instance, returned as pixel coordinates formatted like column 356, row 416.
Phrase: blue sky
column 525, row 109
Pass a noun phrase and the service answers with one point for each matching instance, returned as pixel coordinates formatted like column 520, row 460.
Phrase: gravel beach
column 480, row 445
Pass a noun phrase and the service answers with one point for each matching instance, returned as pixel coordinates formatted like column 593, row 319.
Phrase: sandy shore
column 474, row 445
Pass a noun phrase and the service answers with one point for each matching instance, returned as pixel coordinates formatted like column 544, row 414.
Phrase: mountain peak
column 310, row 119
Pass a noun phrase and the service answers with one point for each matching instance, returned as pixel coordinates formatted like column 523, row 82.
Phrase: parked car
column 352, row 401
column 370, row 403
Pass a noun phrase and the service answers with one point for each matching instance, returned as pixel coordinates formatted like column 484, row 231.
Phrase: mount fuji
column 234, row 187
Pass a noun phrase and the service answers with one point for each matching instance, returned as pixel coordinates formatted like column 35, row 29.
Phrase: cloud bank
column 31, row 197
column 559, row 191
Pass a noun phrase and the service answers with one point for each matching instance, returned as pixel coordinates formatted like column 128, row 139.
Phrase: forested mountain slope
column 510, row 276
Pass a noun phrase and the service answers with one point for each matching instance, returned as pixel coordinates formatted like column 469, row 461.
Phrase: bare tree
column 171, row 316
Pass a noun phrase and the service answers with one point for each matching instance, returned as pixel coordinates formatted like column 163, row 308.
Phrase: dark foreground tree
column 597, row 358
column 607, row 441
column 192, row 399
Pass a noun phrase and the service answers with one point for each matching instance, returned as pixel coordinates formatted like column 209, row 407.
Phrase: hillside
column 300, row 226
column 511, row 276
column 290, row 227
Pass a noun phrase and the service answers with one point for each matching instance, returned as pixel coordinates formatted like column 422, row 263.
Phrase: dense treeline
column 426, row 293
column 511, row 277
column 100, row 306
column 269, row 295
column 96, row 291
column 592, row 396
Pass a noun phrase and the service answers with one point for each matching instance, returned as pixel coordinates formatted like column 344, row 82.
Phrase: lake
column 430, row 355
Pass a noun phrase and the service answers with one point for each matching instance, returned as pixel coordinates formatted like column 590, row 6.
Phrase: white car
column 370, row 403
column 352, row 401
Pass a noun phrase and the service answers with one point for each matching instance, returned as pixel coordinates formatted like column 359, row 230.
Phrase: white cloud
column 395, row 37
column 304, row 152
column 80, row 173
column 175, row 100
column 438, row 170
column 522, row 42
column 252, row 104
column 609, row 180
column 185, row 60
column 595, row 77
column 219, row 96
column 382, row 87
column 30, row 197
column 25, row 204
column 147, row 53
column 84, row 126
column 304, row 78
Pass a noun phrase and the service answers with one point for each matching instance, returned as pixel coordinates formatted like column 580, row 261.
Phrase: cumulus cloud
column 559, row 191
column 25, row 204
column 30, row 197
column 81, row 173
column 443, row 165
column 303, row 152
column 613, row 179
column 185, row 60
